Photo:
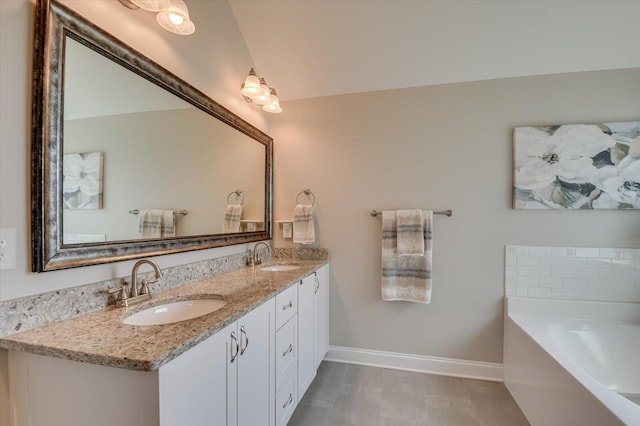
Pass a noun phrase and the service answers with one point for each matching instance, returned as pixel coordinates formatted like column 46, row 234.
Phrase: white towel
column 405, row 277
column 410, row 232
column 157, row 223
column 232, row 217
column 303, row 227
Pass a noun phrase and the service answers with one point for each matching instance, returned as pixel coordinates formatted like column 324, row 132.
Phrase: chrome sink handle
column 120, row 294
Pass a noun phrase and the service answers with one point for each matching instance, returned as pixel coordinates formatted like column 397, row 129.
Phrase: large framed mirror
column 128, row 160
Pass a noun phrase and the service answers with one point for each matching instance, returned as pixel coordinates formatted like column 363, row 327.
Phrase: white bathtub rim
column 535, row 327
column 573, row 309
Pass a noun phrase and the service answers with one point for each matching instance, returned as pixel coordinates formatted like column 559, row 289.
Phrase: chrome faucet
column 256, row 259
column 134, row 277
column 135, row 295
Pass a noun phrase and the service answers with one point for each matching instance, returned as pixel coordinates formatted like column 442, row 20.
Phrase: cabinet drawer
column 286, row 401
column 286, row 352
column 286, row 305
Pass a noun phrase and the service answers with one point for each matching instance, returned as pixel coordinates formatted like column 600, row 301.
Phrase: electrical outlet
column 7, row 249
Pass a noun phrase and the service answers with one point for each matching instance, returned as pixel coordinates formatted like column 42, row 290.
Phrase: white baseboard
column 423, row 364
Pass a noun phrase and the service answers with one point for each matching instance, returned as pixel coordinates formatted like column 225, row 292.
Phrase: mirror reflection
column 141, row 163
column 131, row 161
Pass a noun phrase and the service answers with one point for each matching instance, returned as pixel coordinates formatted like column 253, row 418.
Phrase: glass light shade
column 274, row 105
column 175, row 18
column 264, row 95
column 251, row 86
column 152, row 5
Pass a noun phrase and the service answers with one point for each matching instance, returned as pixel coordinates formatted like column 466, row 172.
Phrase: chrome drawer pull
column 288, row 351
column 246, row 340
column 234, row 338
column 289, row 401
column 290, row 305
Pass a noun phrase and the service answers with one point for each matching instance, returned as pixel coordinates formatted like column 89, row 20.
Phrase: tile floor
column 345, row 394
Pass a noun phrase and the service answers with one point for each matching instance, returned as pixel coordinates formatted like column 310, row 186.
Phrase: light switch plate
column 7, row 249
column 286, row 230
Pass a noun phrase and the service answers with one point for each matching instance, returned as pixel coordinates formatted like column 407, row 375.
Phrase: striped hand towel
column 232, row 217
column 157, row 223
column 405, row 277
column 410, row 230
column 303, row 227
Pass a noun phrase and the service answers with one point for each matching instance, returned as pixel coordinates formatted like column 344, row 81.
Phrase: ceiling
column 312, row 48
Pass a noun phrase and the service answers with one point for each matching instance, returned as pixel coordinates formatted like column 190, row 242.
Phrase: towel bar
column 180, row 212
column 449, row 213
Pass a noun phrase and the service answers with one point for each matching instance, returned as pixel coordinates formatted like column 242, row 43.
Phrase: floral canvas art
column 577, row 166
column 82, row 180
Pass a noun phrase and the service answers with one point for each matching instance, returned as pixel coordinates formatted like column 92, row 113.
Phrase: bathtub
column 570, row 363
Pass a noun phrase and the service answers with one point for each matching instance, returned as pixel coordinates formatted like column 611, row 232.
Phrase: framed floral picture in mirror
column 577, row 166
column 82, row 180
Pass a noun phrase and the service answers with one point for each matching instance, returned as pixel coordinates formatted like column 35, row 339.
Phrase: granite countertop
column 101, row 337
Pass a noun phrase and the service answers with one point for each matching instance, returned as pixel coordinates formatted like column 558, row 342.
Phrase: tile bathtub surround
column 573, row 273
column 30, row 312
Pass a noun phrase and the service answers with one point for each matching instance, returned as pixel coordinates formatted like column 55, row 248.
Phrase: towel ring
column 238, row 193
column 309, row 195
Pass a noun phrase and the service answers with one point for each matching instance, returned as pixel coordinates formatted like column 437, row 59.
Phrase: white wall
column 438, row 147
column 214, row 59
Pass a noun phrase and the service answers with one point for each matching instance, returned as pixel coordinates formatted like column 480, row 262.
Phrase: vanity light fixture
column 251, row 86
column 255, row 89
column 274, row 103
column 175, row 18
column 173, row 15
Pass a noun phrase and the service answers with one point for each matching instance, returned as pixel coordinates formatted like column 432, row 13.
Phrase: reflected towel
column 157, row 223
column 410, row 230
column 303, row 227
column 232, row 217
column 405, row 277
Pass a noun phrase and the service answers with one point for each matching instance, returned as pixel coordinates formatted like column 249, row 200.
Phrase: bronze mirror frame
column 55, row 22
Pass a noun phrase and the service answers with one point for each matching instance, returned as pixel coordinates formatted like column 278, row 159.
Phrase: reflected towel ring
column 238, row 193
column 309, row 195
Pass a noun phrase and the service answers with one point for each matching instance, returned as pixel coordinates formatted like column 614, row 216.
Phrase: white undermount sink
column 174, row 311
column 279, row 267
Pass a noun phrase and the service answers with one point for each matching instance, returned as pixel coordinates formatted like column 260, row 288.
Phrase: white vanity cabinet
column 226, row 380
column 251, row 375
column 321, row 315
column 193, row 387
column 216, row 383
column 252, row 372
column 313, row 325
column 306, row 365
column 286, row 354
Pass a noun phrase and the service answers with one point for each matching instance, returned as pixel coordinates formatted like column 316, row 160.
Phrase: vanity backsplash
column 41, row 309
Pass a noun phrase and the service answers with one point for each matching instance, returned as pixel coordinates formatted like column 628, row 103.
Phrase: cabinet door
column 256, row 367
column 321, row 315
column 193, row 386
column 306, row 367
